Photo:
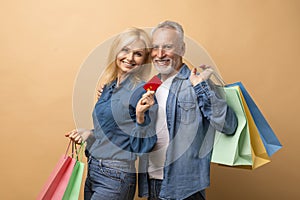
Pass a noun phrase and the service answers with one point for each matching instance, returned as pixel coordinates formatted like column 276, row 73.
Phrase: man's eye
column 168, row 47
column 155, row 47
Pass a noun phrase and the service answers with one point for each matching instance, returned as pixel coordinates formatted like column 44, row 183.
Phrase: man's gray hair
column 171, row 25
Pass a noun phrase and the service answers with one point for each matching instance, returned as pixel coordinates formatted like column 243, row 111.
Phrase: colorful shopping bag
column 74, row 185
column 235, row 149
column 267, row 135
column 258, row 150
column 57, row 182
column 245, row 147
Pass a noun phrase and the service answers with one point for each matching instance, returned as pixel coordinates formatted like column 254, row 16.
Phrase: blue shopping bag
column 267, row 135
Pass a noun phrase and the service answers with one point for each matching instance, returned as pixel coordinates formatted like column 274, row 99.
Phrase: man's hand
column 143, row 105
column 196, row 77
column 78, row 135
column 99, row 92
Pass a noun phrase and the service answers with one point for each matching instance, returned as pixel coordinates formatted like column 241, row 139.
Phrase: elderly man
column 189, row 113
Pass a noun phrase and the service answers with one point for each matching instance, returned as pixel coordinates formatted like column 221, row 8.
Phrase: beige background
column 44, row 43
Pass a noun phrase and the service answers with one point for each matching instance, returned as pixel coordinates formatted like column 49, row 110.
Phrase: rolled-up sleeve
column 143, row 136
column 215, row 109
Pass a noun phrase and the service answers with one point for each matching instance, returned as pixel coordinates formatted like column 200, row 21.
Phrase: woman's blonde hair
column 125, row 38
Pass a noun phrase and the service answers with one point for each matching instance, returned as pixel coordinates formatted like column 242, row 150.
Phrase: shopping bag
column 234, row 149
column 74, row 185
column 258, row 150
column 57, row 182
column 267, row 135
column 245, row 147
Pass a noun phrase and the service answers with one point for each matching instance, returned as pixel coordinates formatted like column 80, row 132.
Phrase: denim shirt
column 117, row 135
column 193, row 115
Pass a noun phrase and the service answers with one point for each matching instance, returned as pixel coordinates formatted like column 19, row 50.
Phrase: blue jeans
column 154, row 189
column 110, row 180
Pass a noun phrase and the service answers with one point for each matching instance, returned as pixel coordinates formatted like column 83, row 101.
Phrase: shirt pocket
column 187, row 111
column 120, row 112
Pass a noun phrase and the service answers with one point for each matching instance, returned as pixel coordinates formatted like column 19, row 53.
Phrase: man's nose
column 160, row 53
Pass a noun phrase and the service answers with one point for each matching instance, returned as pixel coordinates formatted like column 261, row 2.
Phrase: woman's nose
column 129, row 56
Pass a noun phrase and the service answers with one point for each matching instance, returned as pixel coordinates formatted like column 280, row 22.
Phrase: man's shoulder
column 184, row 71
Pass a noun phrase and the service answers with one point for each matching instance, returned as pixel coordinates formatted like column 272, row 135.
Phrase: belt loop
column 100, row 162
column 132, row 167
column 89, row 159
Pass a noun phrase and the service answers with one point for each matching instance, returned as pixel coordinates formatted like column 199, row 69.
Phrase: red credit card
column 153, row 84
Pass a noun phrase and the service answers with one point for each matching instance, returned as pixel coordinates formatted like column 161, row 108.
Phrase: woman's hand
column 79, row 135
column 143, row 105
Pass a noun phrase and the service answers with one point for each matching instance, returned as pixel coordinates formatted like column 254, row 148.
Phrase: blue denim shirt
column 193, row 115
column 117, row 136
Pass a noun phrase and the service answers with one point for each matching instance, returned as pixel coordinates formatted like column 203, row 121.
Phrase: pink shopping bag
column 57, row 182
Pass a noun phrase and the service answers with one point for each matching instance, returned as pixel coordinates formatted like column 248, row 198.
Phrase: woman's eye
column 125, row 50
column 139, row 54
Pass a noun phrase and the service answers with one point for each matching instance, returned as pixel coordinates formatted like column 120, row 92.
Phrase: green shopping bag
column 234, row 150
column 74, row 184
column 245, row 149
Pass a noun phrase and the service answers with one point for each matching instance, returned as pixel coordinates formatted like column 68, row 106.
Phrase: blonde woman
column 122, row 121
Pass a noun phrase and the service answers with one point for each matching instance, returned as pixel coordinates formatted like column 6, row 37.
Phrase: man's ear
column 182, row 49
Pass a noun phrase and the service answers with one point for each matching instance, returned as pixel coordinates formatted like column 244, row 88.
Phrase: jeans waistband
column 127, row 166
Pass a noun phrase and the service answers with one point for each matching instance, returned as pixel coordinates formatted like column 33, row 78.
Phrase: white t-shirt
column 158, row 155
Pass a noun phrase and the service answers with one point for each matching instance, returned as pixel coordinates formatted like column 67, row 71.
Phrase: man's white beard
column 164, row 70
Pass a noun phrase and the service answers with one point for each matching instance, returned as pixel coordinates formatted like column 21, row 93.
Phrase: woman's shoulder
column 139, row 89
